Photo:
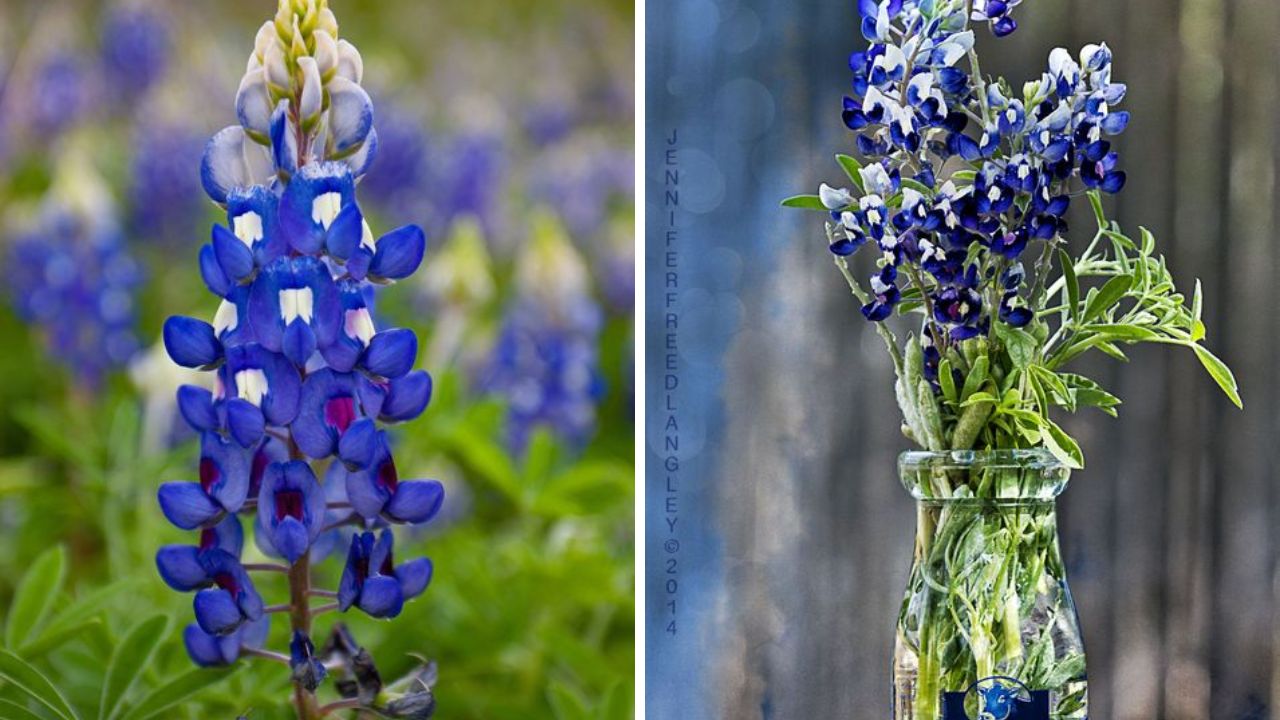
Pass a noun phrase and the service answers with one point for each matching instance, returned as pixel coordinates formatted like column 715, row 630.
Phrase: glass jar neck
column 999, row 478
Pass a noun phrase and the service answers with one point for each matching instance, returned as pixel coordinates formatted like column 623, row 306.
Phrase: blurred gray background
column 794, row 574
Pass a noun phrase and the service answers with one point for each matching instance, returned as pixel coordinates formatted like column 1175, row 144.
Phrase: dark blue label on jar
column 996, row 698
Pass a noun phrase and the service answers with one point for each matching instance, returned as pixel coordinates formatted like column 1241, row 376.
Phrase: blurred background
column 790, row 428
column 506, row 131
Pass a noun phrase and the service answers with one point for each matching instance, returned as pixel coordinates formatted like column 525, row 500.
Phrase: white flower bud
column 350, row 65
column 328, row 22
column 312, row 89
column 265, row 38
column 326, row 53
column 277, row 67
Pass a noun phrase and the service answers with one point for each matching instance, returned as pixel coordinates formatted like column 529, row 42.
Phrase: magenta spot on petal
column 210, row 474
column 208, row 539
column 387, row 476
column 289, row 504
column 260, row 462
column 388, row 567
column 340, row 412
column 227, row 582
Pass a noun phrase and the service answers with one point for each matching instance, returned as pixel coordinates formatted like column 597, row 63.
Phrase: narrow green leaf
column 566, row 703
column 1071, row 282
column 917, row 186
column 1095, row 200
column 804, row 202
column 128, row 659
column 977, row 376
column 1063, row 446
column 1124, row 332
column 178, row 690
column 1148, row 241
column 1102, row 300
column 1112, row 350
column 29, row 680
column 851, row 167
column 14, row 711
column 948, row 382
column 36, row 593
column 1221, row 374
column 76, row 615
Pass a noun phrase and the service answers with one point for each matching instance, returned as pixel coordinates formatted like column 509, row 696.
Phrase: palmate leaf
column 32, row 683
column 128, row 659
column 34, row 598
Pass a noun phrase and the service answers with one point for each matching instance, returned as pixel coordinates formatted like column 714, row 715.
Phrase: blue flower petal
column 407, row 397
column 350, row 115
column 360, row 160
column 299, row 342
column 345, row 232
column 191, row 343
column 207, row 650
column 234, row 257
column 391, row 353
column 216, row 611
column 381, row 597
column 284, row 144
column 358, row 443
column 187, row 505
column 245, row 421
column 196, row 406
column 399, row 253
column 290, row 538
column 211, row 272
column 365, row 495
column 180, row 567
column 415, row 501
column 414, row 576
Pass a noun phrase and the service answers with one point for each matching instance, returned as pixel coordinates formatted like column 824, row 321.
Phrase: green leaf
column 851, row 167
column 1103, row 299
column 1063, row 446
column 1125, row 332
column 1071, row 282
column 14, row 711
column 804, row 202
column 948, row 382
column 1095, row 200
column 1148, row 241
column 128, row 659
column 917, row 186
column 1221, row 374
column 979, row 398
column 977, row 376
column 29, row 680
column 178, row 690
column 1020, row 344
column 567, row 703
column 76, row 616
column 36, row 593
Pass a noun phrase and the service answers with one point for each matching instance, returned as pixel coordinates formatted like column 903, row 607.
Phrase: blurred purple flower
column 165, row 196
column 77, row 286
column 135, row 49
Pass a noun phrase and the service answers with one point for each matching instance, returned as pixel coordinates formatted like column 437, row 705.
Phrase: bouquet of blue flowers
column 959, row 191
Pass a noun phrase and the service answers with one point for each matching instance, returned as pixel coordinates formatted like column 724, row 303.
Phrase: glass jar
column 988, row 629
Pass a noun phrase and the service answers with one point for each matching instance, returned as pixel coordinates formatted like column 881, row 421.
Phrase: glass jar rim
column 1011, row 459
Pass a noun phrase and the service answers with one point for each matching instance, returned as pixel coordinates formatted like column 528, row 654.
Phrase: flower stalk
column 295, row 438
